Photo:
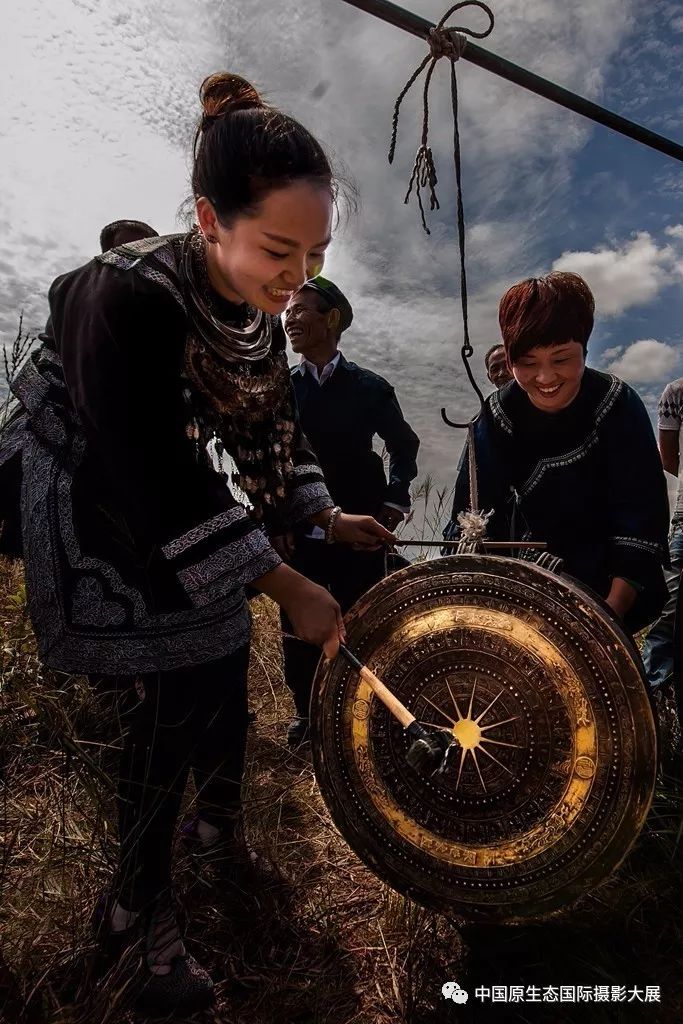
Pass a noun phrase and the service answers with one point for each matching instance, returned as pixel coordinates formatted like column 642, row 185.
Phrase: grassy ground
column 336, row 946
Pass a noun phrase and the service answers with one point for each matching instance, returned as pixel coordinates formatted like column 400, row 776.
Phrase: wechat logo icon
column 451, row 990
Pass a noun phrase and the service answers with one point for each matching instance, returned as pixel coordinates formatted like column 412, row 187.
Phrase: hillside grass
column 336, row 946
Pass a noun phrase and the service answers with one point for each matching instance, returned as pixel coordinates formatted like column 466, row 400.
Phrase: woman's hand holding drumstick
column 315, row 615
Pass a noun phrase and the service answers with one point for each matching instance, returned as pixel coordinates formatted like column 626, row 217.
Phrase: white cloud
column 644, row 361
column 99, row 106
column 625, row 276
column 611, row 353
column 674, row 231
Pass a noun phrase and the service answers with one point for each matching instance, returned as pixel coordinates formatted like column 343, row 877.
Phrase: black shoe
column 297, row 732
column 186, row 987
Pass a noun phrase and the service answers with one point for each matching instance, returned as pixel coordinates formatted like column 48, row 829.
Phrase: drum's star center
column 467, row 733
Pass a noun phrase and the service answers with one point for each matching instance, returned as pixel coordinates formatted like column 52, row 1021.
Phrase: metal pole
column 493, row 545
column 413, row 23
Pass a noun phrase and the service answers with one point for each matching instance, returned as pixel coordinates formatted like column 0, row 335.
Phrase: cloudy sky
column 100, row 100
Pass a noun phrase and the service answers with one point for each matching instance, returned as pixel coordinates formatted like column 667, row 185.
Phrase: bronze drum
column 554, row 767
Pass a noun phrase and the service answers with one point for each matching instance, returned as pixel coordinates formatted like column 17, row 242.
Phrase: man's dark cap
column 334, row 297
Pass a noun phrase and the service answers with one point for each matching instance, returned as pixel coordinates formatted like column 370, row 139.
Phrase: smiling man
column 567, row 455
column 342, row 407
column 496, row 363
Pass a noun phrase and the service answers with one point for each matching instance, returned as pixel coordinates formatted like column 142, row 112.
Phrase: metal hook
column 450, row 423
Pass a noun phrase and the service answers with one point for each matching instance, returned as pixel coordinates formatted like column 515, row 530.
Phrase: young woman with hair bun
column 137, row 555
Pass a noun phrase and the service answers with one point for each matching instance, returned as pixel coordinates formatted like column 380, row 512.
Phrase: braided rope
column 449, row 43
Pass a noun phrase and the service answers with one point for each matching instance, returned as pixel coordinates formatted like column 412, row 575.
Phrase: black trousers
column 347, row 574
column 191, row 719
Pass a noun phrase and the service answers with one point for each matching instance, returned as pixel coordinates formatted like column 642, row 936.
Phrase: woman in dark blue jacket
column 567, row 455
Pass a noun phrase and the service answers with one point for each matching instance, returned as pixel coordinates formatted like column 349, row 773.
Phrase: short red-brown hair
column 546, row 311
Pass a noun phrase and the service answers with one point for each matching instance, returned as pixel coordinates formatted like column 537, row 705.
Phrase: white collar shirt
column 328, row 369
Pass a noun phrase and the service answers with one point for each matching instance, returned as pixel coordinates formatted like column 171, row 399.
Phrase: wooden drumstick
column 398, row 710
column 428, row 749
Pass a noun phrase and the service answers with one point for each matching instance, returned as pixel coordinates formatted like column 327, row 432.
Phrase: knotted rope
column 449, row 43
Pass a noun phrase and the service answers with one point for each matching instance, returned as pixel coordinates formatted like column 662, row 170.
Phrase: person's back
column 112, row 235
column 122, row 232
column 119, row 232
column 11, row 544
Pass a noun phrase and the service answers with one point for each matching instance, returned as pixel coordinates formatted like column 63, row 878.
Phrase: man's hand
column 390, row 517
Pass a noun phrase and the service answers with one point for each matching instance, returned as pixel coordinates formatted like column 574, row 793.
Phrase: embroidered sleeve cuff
column 220, row 555
column 648, row 547
column 308, row 493
column 633, row 559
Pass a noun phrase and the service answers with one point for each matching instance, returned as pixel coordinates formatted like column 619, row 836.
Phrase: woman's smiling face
column 551, row 374
column 265, row 257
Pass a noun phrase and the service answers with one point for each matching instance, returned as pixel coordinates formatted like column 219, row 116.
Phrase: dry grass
column 337, row 947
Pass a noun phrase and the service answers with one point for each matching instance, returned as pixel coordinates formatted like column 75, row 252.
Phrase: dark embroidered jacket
column 136, row 551
column 340, row 419
column 588, row 480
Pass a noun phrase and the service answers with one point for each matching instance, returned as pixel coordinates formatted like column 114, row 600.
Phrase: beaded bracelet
column 329, row 529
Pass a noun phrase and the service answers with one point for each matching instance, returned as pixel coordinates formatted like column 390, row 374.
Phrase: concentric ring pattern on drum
column 555, row 759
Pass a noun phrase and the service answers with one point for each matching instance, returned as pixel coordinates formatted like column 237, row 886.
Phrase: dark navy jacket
column 587, row 480
column 340, row 419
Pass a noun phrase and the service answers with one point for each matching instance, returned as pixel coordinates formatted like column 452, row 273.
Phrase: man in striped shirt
column 658, row 650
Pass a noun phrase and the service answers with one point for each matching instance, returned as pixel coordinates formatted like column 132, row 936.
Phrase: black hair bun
column 223, row 93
